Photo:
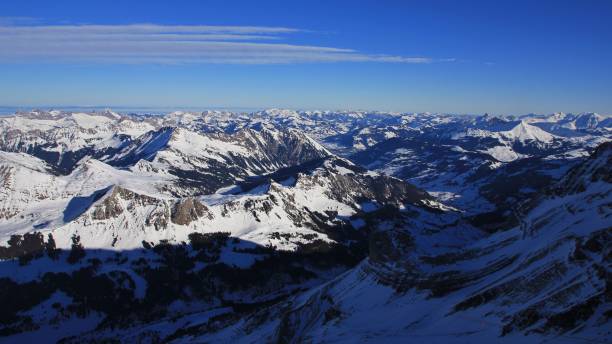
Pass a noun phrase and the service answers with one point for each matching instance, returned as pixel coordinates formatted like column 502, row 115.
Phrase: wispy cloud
column 171, row 44
column 5, row 21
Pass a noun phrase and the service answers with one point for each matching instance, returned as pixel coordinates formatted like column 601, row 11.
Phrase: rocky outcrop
column 118, row 198
column 187, row 210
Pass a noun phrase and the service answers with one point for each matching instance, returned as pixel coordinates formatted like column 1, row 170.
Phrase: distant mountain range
column 304, row 226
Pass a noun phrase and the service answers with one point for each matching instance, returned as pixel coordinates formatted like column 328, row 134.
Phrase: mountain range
column 305, row 226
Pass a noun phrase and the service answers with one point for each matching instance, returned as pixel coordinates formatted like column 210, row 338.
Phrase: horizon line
column 253, row 109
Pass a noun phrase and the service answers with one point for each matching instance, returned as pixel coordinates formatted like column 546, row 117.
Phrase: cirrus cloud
column 172, row 44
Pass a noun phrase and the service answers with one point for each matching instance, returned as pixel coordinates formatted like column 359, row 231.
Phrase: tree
column 76, row 251
column 51, row 249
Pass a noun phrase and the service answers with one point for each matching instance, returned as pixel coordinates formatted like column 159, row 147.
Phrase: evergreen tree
column 51, row 249
column 76, row 251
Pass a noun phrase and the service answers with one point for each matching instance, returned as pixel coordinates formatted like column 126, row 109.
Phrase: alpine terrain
column 282, row 226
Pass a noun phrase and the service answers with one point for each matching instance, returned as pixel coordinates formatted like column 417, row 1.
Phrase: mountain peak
column 523, row 132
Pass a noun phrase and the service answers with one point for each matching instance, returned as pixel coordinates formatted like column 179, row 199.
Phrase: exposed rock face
column 187, row 210
column 6, row 172
column 381, row 188
column 112, row 206
column 158, row 218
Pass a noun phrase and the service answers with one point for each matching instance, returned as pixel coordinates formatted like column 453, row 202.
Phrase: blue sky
column 439, row 56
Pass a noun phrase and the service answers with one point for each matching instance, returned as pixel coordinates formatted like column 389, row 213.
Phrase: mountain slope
column 206, row 162
column 543, row 279
column 24, row 180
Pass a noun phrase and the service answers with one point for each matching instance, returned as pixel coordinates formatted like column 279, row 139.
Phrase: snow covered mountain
column 482, row 165
column 62, row 139
column 296, row 226
column 546, row 278
column 210, row 161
